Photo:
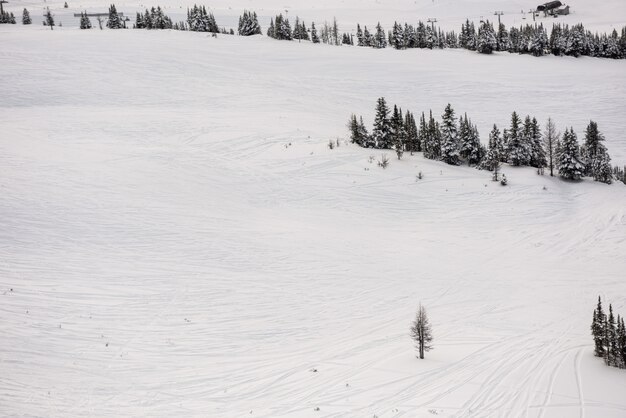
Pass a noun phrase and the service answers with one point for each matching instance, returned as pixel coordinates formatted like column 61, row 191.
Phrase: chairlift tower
column 432, row 22
column 1, row 9
column 500, row 13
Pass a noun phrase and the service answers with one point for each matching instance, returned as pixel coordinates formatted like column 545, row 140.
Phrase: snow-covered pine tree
column 248, row 24
column 422, row 135
column 469, row 141
column 114, row 21
column 381, row 132
column 539, row 42
column 517, row 150
column 26, row 20
column 538, row 154
column 575, row 41
column 503, row 41
column 592, row 147
column 314, row 38
column 421, row 332
column 412, row 135
column 368, row 38
column 398, row 133
column 364, row 137
column 359, row 35
column 487, row 42
column 621, row 338
column 449, row 137
column 397, row 37
column 85, row 23
column 139, row 22
column 569, row 164
column 430, row 40
column 492, row 159
column 597, row 329
column 611, row 352
column 380, row 40
column 478, row 150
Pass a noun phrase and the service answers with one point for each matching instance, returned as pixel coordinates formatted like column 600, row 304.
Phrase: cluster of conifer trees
column 200, row 21
column 609, row 336
column 528, row 39
column 456, row 142
column 249, row 24
column 153, row 19
column 8, row 17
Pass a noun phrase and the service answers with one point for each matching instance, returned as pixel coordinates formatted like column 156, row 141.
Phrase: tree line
column 609, row 336
column 484, row 38
column 457, row 141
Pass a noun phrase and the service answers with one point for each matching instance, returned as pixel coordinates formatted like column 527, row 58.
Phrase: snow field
column 181, row 241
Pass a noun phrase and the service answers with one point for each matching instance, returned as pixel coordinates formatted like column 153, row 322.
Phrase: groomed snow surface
column 176, row 238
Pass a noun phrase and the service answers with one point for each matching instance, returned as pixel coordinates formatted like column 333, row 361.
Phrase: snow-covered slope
column 176, row 239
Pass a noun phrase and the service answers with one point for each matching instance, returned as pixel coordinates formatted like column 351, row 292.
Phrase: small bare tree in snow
column 421, row 332
column 384, row 161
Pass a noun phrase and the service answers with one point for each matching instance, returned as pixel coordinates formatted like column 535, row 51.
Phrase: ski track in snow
column 196, row 249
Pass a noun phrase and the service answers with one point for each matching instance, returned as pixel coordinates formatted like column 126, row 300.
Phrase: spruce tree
column 314, row 38
column 569, row 164
column 85, row 22
column 597, row 329
column 516, row 150
column 412, row 134
column 114, row 21
column 381, row 132
column 449, row 137
column 487, row 42
column 398, row 133
column 538, row 154
column 380, row 41
column 491, row 161
column 594, row 155
column 611, row 340
column 26, row 20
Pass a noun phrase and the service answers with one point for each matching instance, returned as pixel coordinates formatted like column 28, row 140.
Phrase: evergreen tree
column 421, row 332
column 575, row 41
column 422, row 135
column 412, row 135
column 503, row 41
column 569, row 164
column 114, row 21
column 397, row 131
column 314, row 38
column 26, row 20
column 597, row 329
column 516, row 148
column 449, row 137
column 397, row 38
column 593, row 148
column 538, row 154
column 380, row 41
column 539, row 42
column 487, row 42
column 611, row 340
column 248, row 24
column 381, row 133
column 359, row 35
column 492, row 159
column 85, row 23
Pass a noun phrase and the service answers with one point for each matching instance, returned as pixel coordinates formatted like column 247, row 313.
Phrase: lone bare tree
column 421, row 332
column 550, row 139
